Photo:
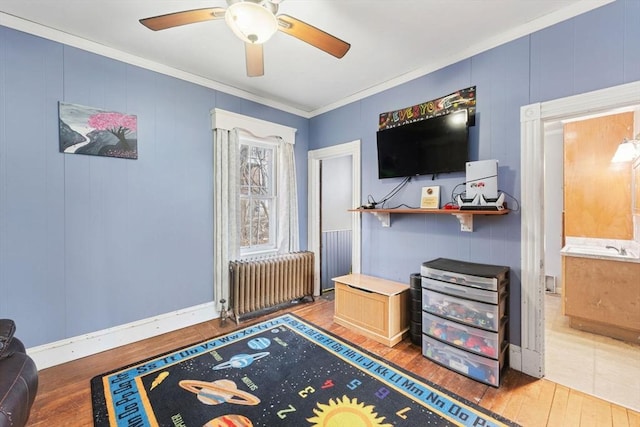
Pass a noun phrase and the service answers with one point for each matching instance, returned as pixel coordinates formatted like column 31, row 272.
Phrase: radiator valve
column 223, row 313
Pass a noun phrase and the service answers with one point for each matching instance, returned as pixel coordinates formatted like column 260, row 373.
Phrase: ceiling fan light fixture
column 251, row 22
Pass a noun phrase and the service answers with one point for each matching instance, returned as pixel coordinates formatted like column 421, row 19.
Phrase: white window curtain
column 227, row 127
column 288, row 235
column 225, row 188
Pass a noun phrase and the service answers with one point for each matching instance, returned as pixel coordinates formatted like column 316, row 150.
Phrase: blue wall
column 592, row 51
column 88, row 243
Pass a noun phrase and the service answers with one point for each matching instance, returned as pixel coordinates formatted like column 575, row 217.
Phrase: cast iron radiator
column 269, row 283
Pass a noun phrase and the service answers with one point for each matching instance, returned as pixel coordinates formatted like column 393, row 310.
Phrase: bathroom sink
column 598, row 251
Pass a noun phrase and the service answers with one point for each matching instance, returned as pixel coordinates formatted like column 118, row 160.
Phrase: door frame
column 315, row 158
column 536, row 120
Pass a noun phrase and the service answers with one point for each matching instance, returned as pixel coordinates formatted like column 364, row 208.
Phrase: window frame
column 271, row 247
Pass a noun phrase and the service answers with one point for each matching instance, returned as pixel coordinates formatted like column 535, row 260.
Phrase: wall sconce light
column 627, row 151
column 251, row 21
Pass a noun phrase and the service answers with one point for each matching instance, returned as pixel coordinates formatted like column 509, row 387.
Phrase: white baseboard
column 532, row 363
column 66, row 350
column 526, row 361
column 515, row 357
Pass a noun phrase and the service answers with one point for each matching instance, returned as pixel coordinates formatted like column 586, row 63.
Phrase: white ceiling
column 392, row 41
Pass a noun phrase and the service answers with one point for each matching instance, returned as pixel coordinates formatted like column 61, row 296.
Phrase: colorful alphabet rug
column 281, row 372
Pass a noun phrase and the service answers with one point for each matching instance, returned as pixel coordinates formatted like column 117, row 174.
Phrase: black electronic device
column 425, row 147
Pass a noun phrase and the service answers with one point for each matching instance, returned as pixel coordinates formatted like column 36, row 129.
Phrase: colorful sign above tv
column 462, row 99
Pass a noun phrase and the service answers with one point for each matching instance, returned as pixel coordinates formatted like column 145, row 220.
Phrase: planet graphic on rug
column 241, row 360
column 232, row 420
column 219, row 391
column 259, row 343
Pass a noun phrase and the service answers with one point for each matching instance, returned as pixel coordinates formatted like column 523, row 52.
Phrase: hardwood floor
column 64, row 395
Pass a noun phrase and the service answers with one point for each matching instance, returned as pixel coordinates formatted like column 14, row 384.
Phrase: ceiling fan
column 254, row 22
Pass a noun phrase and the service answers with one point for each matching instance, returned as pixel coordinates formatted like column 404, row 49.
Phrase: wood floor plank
column 473, row 391
column 526, row 389
column 595, row 413
column 537, row 403
column 619, row 416
column 559, row 406
column 64, row 395
column 633, row 418
column 496, row 399
column 574, row 408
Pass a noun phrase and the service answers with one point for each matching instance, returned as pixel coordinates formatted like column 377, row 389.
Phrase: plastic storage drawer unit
column 476, row 367
column 474, row 313
column 468, row 338
column 464, row 317
column 483, row 276
column 475, row 294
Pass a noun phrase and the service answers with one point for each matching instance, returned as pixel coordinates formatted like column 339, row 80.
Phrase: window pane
column 261, row 166
column 257, row 197
column 245, row 223
column 262, row 225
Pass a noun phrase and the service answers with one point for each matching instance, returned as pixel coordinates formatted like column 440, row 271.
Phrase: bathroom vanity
column 602, row 295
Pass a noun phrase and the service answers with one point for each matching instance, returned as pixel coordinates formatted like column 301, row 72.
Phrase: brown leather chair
column 18, row 378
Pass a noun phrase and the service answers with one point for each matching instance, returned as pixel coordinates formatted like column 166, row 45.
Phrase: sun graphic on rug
column 346, row 412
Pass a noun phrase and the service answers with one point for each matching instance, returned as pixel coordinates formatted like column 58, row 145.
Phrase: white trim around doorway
column 535, row 121
column 315, row 158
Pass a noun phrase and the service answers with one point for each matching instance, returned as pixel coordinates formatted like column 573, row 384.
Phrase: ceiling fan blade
column 170, row 20
column 255, row 59
column 312, row 35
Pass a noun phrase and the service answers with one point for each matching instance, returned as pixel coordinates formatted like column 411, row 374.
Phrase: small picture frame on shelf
column 430, row 198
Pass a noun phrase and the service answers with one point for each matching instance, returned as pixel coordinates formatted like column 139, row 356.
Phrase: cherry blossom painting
column 96, row 132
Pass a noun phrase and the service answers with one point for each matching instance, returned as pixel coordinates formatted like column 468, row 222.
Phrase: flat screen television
column 426, row 147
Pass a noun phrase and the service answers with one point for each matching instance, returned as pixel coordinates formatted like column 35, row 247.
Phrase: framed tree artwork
column 96, row 132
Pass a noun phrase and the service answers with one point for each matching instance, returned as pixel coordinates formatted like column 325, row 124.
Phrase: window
column 258, row 196
column 258, row 213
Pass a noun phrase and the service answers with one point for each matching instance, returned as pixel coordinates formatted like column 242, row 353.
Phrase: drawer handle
column 454, row 278
column 456, row 290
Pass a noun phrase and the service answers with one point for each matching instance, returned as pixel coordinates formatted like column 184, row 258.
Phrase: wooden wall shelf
column 465, row 217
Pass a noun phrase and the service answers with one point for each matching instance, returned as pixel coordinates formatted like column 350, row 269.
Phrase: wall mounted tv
column 426, row 147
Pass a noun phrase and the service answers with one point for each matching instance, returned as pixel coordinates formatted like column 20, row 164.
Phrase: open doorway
column 350, row 153
column 539, row 122
column 577, row 210
column 335, row 219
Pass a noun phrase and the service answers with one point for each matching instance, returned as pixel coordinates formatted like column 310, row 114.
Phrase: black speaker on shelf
column 415, row 326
